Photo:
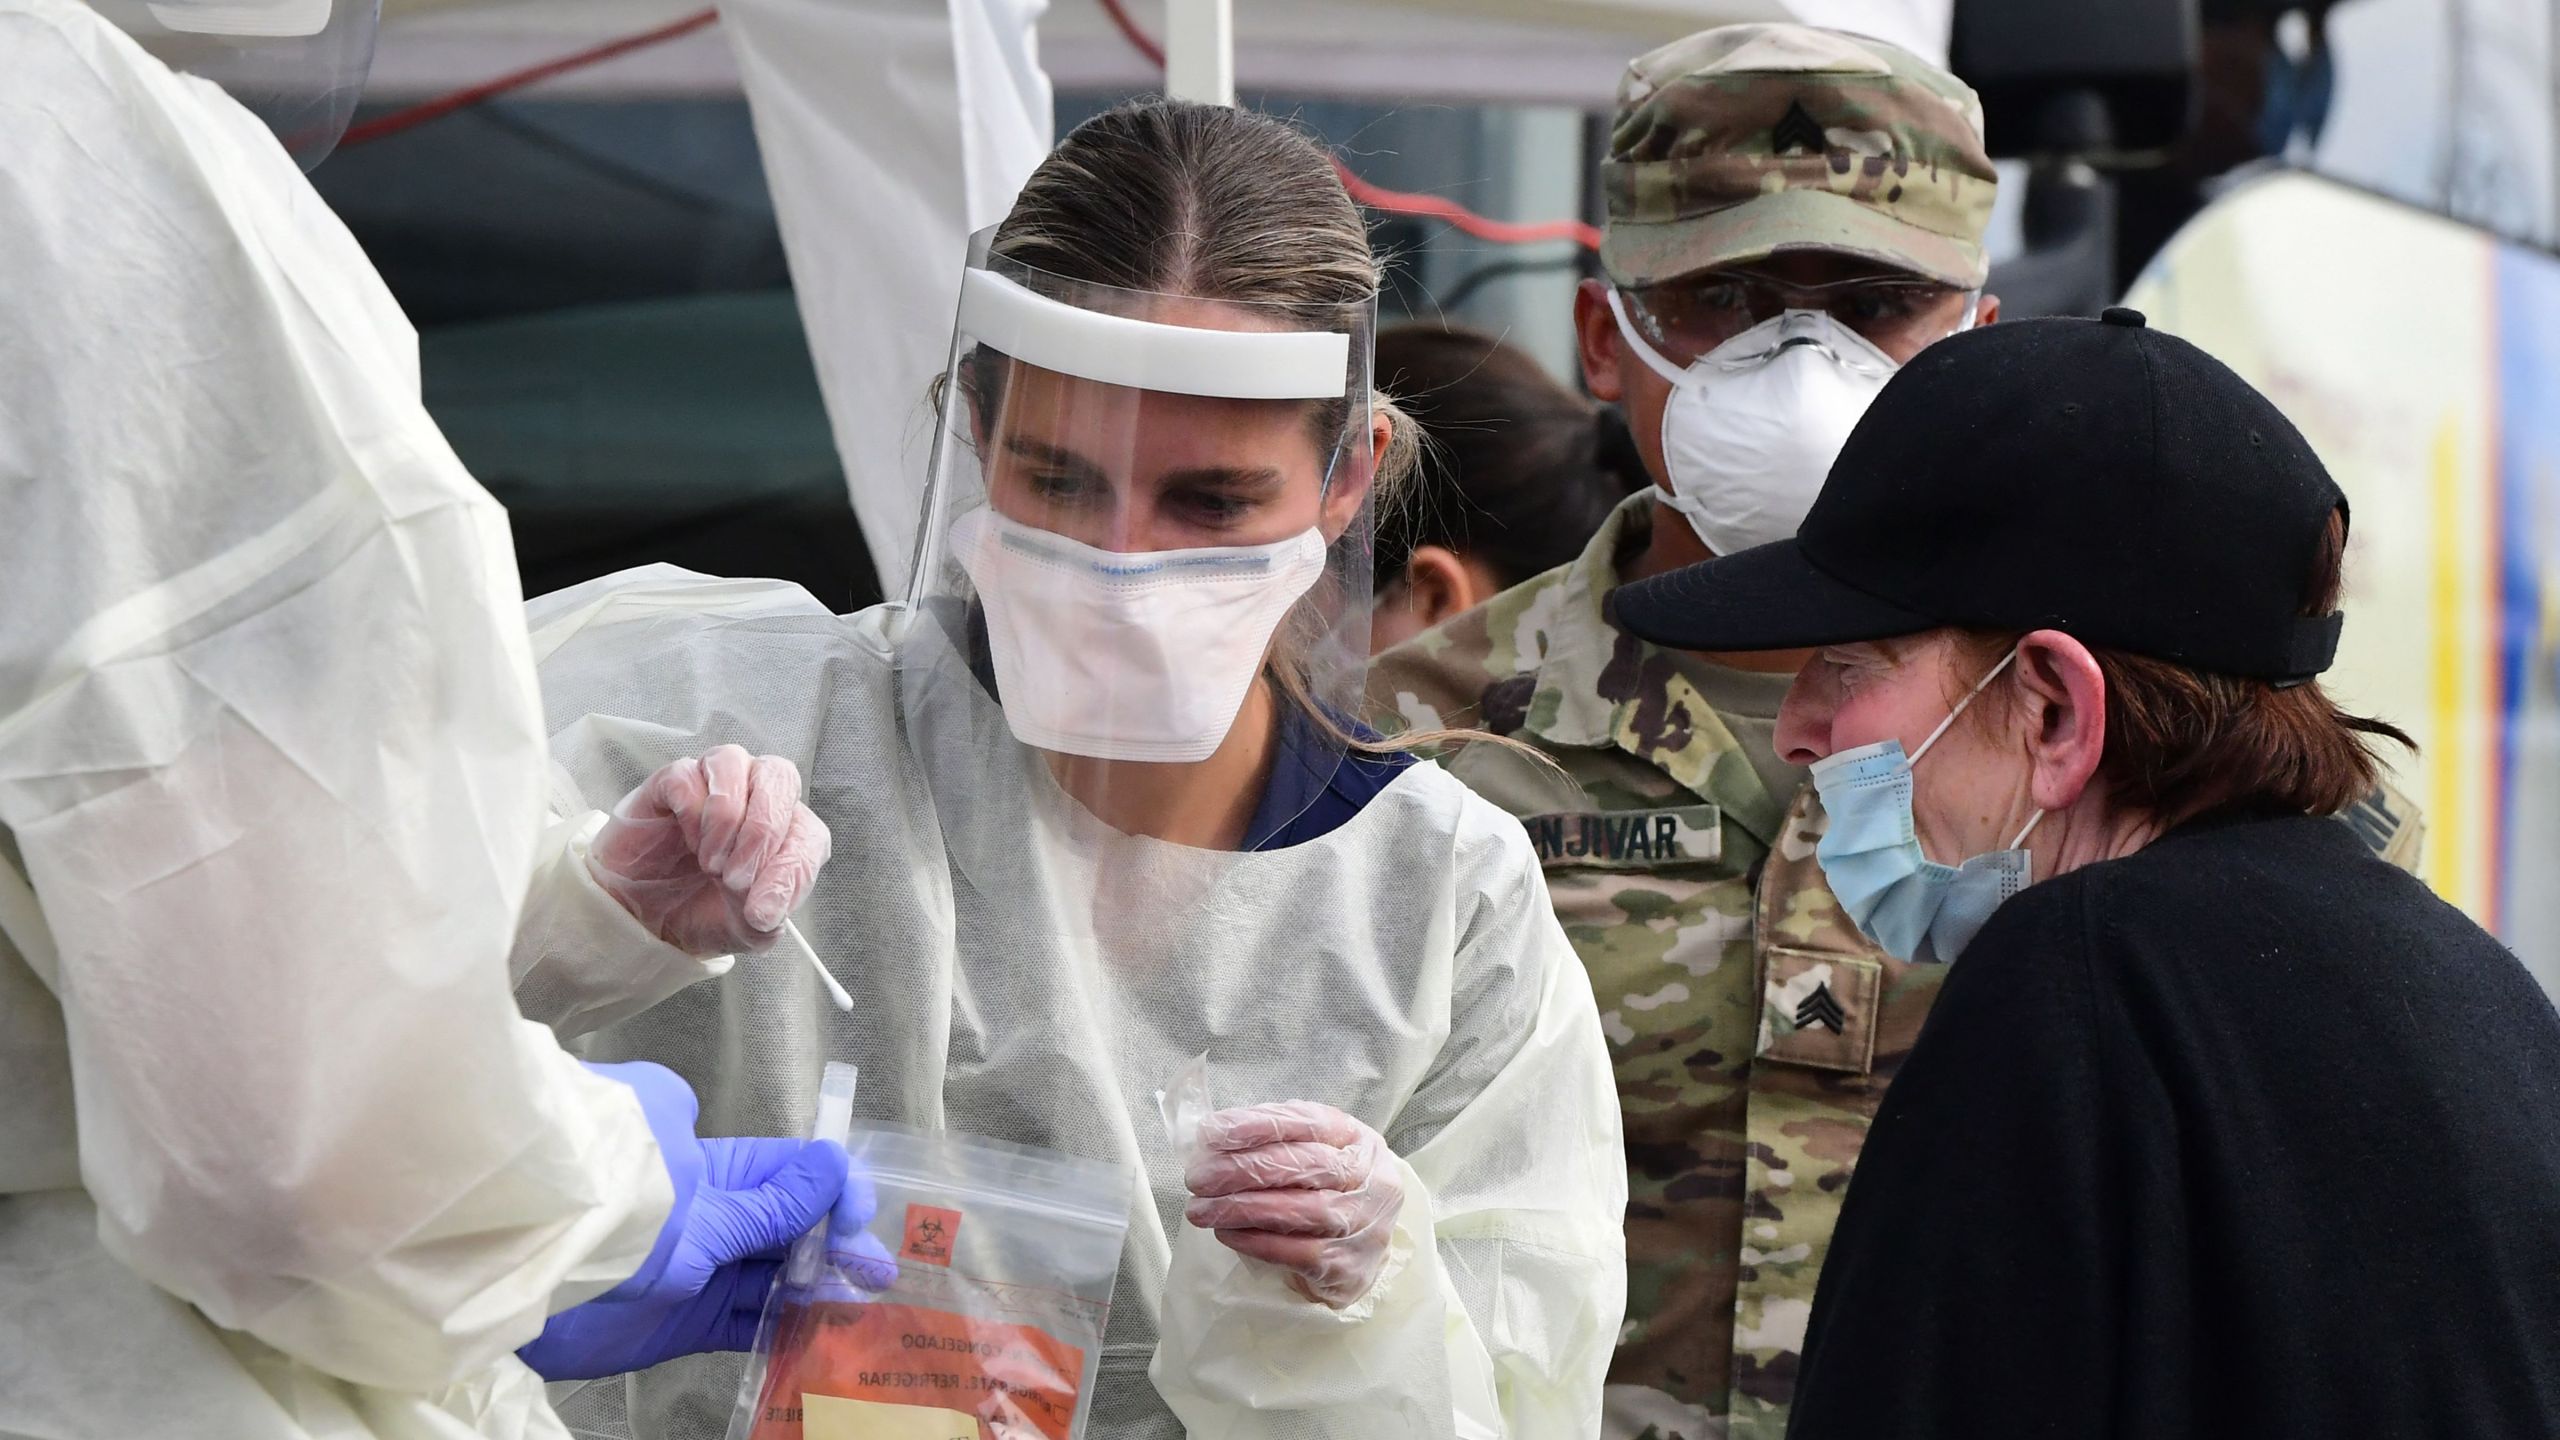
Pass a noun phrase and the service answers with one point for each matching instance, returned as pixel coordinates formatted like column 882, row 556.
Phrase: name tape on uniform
column 1627, row 839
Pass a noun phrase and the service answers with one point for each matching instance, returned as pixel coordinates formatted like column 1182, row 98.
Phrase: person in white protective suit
column 1098, row 810
column 279, row 1157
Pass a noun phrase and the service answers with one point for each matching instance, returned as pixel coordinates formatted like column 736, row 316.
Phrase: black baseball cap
column 2095, row 477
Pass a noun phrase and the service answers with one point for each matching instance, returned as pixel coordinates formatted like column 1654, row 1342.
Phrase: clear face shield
column 298, row 65
column 1145, row 551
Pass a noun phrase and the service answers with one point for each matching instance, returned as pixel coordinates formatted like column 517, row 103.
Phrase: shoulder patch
column 1627, row 839
column 1820, row 1010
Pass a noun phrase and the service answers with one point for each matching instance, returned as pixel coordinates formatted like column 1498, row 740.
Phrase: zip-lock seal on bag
column 971, row 1308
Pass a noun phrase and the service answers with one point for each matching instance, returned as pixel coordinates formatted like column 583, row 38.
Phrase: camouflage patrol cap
column 1745, row 141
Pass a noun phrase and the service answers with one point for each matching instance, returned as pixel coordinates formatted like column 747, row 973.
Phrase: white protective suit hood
column 1022, row 971
column 278, row 1158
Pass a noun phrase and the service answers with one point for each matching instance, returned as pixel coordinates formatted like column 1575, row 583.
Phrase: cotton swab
column 791, row 933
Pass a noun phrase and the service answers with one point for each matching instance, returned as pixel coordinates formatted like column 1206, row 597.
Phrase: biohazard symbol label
column 931, row 1232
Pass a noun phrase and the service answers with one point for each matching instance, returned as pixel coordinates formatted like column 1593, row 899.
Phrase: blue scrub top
column 1315, row 787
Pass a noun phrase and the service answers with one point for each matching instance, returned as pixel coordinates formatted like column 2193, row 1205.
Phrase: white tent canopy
column 1562, row 52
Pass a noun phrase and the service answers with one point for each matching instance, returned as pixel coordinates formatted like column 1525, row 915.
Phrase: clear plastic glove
column 1301, row 1186
column 739, row 1204
column 712, row 855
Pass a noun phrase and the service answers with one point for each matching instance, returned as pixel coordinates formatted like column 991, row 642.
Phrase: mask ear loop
column 1979, row 686
column 1969, row 697
column 2027, row 874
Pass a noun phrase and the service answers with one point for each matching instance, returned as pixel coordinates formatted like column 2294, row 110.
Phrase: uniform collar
column 1598, row 687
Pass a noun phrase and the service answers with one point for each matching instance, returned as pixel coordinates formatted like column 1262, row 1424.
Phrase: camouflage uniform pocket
column 1819, row 1009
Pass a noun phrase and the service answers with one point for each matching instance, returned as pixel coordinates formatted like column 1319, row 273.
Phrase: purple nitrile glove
column 739, row 1204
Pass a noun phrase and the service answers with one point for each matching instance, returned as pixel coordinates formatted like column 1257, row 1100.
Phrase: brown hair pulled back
column 1214, row 203
column 2182, row 743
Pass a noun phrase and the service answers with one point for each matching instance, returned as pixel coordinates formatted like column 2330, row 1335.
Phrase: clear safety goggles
column 1690, row 317
column 298, row 65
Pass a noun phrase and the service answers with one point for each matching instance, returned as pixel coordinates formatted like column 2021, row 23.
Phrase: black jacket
column 2245, row 1134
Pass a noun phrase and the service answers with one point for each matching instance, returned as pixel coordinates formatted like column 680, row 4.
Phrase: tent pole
column 1200, row 51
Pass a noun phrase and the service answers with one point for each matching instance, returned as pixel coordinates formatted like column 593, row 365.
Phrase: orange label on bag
column 1019, row 1382
column 931, row 1232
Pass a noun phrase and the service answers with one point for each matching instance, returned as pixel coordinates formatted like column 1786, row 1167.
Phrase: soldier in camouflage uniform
column 1752, row 1027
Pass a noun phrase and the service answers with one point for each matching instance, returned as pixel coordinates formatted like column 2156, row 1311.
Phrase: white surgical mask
column 1753, row 425
column 1142, row 655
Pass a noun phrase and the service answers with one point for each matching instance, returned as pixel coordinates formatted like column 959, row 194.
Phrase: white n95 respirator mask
column 1753, row 425
column 1142, row 655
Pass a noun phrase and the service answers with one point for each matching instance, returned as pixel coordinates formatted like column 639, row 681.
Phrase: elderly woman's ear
column 2065, row 724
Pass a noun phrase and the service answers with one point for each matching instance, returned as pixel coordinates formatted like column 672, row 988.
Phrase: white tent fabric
column 890, row 130
column 1533, row 52
column 2453, row 107
column 1560, row 52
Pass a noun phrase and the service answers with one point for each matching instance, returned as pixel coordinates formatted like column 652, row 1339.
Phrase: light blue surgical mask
column 1914, row 907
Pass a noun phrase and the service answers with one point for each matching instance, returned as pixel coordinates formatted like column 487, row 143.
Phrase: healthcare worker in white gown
column 279, row 1158
column 1097, row 810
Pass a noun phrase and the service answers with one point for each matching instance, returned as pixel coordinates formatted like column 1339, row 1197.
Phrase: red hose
column 1458, row 217
column 1144, row 43
column 438, row 108
column 1397, row 202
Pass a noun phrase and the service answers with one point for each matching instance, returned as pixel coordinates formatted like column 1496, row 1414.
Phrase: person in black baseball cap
column 2098, row 478
column 2208, row 1118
